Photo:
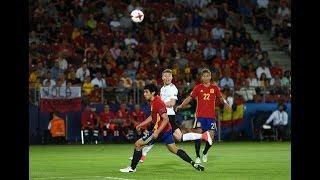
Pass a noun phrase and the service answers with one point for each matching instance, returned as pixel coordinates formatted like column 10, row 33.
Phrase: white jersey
column 168, row 92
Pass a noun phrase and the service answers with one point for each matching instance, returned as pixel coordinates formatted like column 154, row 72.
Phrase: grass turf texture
column 226, row 160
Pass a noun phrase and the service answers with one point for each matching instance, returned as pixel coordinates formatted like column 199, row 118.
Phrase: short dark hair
column 152, row 88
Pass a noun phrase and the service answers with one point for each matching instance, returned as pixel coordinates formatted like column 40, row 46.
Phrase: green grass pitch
column 226, row 160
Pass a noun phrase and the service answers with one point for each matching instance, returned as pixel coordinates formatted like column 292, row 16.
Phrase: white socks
column 191, row 136
column 146, row 149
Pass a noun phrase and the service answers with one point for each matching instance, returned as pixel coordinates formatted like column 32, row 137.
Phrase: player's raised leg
column 178, row 136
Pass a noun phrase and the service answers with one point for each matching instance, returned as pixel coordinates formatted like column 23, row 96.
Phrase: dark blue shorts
column 205, row 124
column 165, row 137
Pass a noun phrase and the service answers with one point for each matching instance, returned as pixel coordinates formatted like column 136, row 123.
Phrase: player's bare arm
column 184, row 103
column 163, row 124
column 225, row 103
column 145, row 122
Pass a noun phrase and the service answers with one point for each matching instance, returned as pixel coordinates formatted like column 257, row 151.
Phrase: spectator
column 280, row 122
column 130, row 41
column 253, row 81
column 107, row 125
column 172, row 23
column 41, row 71
column 191, row 45
column 99, row 81
column 114, row 23
column 175, row 51
column 263, row 84
column 88, row 123
column 122, row 59
column 63, row 63
column 125, row 21
column 91, row 52
column 55, row 70
column 283, row 11
column 211, row 12
column 82, row 72
column 115, row 50
column 87, row 86
column 217, row 33
column 286, row 79
column 79, row 22
column 137, row 116
column 49, row 82
column 244, row 61
column 134, row 5
column 209, row 52
column 247, row 92
column 131, row 71
column 96, row 95
column 226, row 81
column 123, row 115
column 126, row 80
column 196, row 23
column 107, row 70
column 61, row 82
column 263, row 69
column 276, row 69
column 108, row 9
column 91, row 23
column 262, row 4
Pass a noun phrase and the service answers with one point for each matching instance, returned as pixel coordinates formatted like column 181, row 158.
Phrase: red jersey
column 105, row 117
column 124, row 116
column 138, row 116
column 87, row 119
column 157, row 109
column 206, row 97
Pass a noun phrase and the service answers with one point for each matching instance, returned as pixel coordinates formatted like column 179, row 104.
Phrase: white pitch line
column 83, row 177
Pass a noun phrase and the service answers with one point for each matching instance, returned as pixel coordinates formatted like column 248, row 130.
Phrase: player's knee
column 178, row 137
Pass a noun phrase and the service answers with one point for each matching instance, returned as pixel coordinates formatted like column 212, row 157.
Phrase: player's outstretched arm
column 225, row 103
column 184, row 103
column 145, row 122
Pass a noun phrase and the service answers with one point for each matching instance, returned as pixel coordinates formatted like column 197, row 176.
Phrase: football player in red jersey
column 162, row 131
column 206, row 94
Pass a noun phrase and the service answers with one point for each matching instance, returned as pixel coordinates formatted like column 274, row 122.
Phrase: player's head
column 167, row 76
column 150, row 90
column 206, row 75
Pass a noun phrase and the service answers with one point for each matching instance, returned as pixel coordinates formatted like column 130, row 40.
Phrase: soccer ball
column 137, row 16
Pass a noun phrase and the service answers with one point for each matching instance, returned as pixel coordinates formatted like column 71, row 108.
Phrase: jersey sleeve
column 194, row 92
column 160, row 108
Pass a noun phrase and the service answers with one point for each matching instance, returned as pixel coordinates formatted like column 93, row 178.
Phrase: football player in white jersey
column 169, row 94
